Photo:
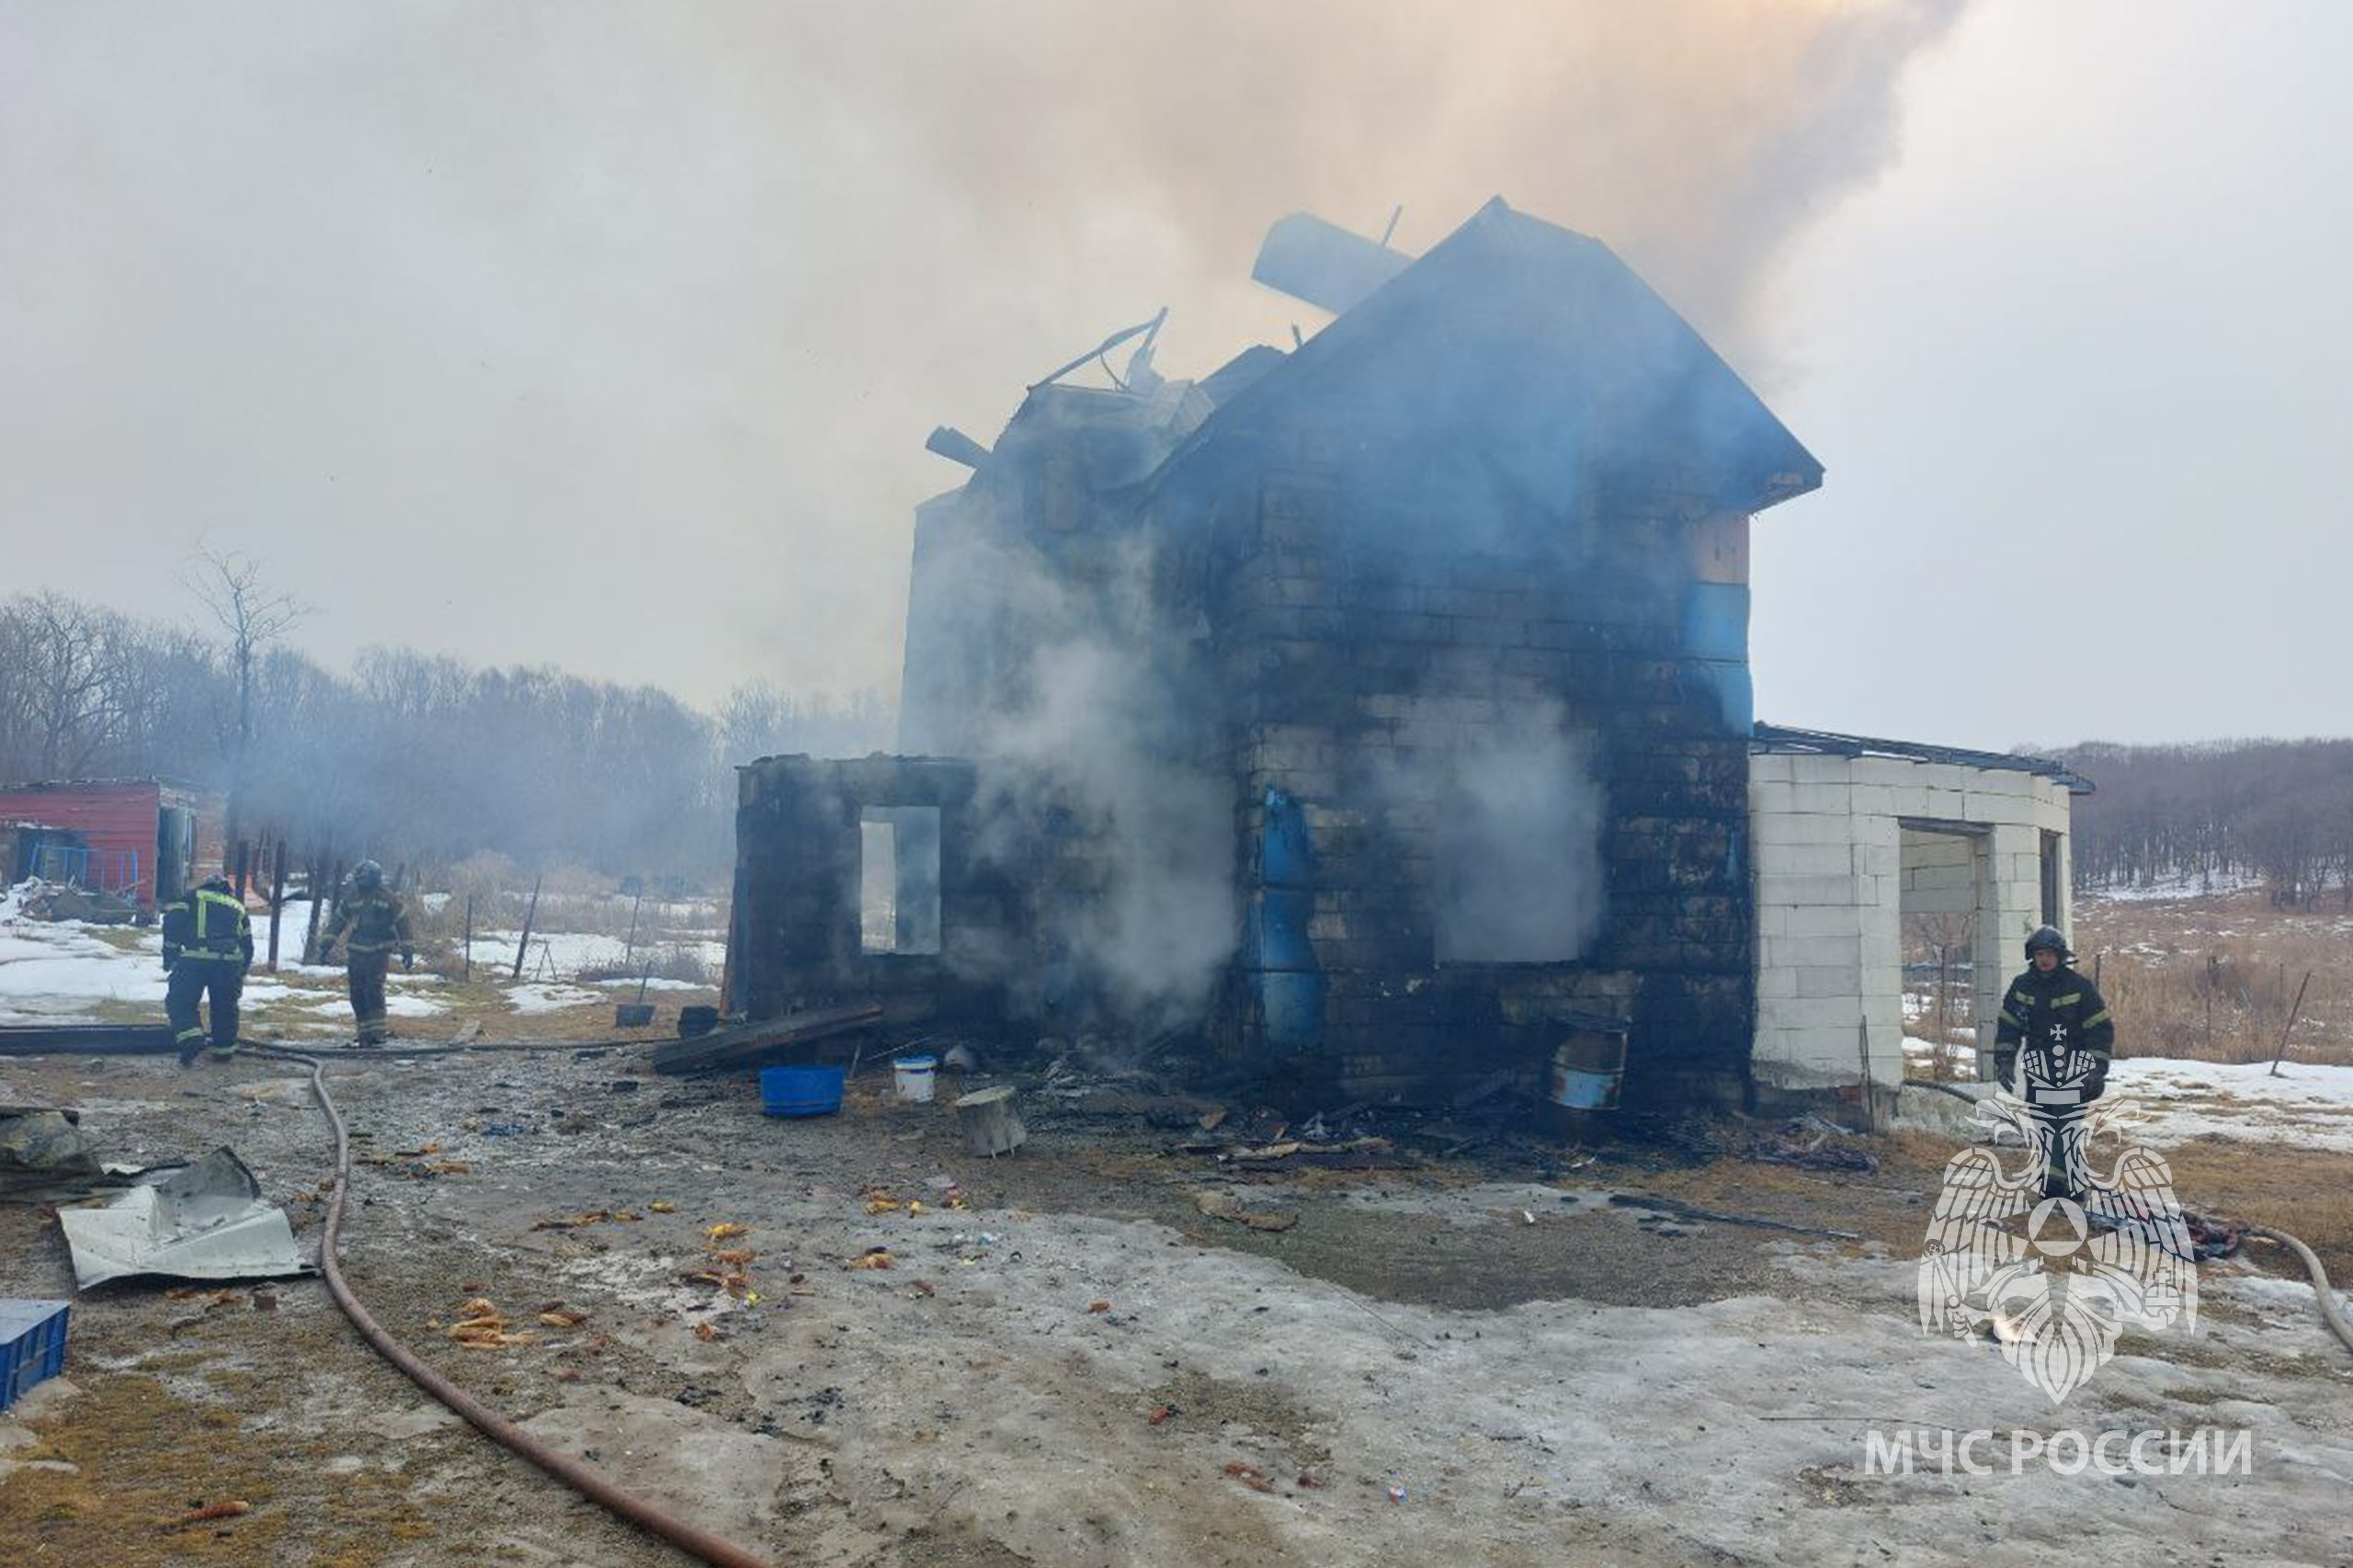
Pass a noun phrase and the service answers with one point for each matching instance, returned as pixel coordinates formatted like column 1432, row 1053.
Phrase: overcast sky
column 607, row 335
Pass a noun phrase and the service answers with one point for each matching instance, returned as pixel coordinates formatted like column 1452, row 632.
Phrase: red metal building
column 148, row 838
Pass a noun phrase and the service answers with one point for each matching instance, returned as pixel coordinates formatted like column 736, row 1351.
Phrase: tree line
column 2278, row 810
column 427, row 760
column 408, row 756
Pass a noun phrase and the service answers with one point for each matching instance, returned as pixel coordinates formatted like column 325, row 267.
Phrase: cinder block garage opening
column 1941, row 909
column 1870, row 855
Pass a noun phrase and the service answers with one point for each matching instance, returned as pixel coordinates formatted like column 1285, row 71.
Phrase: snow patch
column 2308, row 1104
column 2172, row 889
column 531, row 997
column 569, row 952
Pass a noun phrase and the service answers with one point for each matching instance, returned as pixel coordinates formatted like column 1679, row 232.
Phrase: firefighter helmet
column 2047, row 936
column 367, row 876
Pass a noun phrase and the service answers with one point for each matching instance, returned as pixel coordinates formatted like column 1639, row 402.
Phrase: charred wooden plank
column 762, row 1041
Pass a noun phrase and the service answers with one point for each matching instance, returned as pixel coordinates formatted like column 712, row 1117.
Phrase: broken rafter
column 1104, row 348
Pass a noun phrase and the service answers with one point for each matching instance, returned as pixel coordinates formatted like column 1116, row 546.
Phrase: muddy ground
column 1489, row 1349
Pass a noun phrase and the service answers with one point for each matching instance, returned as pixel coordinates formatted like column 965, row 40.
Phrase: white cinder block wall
column 1833, row 864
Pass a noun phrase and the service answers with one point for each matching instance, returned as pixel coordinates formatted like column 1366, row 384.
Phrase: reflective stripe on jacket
column 378, row 923
column 2062, row 1009
column 209, row 926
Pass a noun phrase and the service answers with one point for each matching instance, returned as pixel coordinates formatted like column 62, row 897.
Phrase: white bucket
column 914, row 1075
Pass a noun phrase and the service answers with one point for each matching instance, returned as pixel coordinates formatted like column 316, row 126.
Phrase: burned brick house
column 1376, row 711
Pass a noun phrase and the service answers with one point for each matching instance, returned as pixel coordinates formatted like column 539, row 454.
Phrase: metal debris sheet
column 206, row 1220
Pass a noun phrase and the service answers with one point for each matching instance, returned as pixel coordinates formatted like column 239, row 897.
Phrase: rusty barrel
column 1589, row 1065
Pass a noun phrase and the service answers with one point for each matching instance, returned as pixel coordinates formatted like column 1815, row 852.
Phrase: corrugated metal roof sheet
column 1827, row 743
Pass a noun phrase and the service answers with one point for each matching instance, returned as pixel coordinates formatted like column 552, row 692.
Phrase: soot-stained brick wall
column 1018, row 884
column 1454, row 597
column 799, row 839
column 1373, row 671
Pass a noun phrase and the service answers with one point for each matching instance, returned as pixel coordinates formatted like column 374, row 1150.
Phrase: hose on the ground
column 2329, row 1311
column 390, row 1048
column 710, row 1549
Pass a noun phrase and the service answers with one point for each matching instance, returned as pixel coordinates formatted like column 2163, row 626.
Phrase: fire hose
column 2323, row 1296
column 700, row 1543
column 2321, row 1292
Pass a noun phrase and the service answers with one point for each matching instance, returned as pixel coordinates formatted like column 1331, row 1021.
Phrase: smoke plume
column 1516, row 814
column 419, row 299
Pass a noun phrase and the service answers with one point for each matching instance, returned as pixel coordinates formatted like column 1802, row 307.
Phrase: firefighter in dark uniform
column 207, row 946
column 378, row 922
column 2052, row 1049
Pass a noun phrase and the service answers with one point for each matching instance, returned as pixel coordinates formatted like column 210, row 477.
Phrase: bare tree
column 68, row 689
column 408, row 756
column 251, row 616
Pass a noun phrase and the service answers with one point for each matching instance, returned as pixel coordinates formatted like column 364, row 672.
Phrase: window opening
column 898, row 880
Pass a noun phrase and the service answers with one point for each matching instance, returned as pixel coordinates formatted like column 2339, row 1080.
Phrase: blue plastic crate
column 33, row 1345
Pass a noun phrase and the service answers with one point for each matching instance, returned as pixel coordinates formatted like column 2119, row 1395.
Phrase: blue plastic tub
column 33, row 1345
column 802, row 1091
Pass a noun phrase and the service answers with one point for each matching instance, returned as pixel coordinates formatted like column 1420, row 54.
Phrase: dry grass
column 2215, row 979
column 2212, row 977
column 143, row 1458
column 2303, row 1192
column 670, row 961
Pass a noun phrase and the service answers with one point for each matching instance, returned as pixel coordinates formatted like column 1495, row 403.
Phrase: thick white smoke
column 1516, row 814
column 1161, row 924
column 692, row 282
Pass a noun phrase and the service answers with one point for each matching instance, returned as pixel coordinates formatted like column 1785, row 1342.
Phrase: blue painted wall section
column 1278, row 957
column 1715, row 633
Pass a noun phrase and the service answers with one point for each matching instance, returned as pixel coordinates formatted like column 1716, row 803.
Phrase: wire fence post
column 2281, row 1054
column 529, row 915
